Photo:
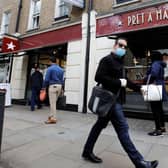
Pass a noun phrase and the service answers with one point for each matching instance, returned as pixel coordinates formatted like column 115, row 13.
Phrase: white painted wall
column 75, row 68
column 18, row 77
column 100, row 47
column 72, row 77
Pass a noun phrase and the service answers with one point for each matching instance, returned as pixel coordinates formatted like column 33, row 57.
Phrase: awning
column 51, row 38
column 45, row 39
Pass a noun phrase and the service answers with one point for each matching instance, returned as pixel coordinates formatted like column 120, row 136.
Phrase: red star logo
column 10, row 44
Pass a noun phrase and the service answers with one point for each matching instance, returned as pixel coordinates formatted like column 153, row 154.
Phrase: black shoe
column 39, row 107
column 147, row 164
column 91, row 157
column 32, row 109
column 155, row 133
column 163, row 129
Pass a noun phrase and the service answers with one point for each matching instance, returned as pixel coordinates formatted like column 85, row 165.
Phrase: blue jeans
column 120, row 124
column 35, row 98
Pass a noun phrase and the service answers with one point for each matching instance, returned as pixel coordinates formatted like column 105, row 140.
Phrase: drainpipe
column 18, row 16
column 16, row 30
column 90, row 7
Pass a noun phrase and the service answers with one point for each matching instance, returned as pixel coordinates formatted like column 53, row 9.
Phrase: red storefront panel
column 10, row 44
column 51, row 38
column 151, row 17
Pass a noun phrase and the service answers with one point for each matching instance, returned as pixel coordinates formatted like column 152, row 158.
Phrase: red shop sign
column 10, row 44
column 155, row 16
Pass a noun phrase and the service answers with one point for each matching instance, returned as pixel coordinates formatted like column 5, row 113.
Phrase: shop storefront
column 7, row 45
column 65, row 43
column 42, row 58
column 146, row 30
column 59, row 42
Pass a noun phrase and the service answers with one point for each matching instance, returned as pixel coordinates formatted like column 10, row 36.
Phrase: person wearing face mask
column 110, row 75
column 156, row 71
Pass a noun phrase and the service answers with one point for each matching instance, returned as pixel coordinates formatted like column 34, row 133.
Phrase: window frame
column 34, row 14
column 60, row 10
column 5, row 22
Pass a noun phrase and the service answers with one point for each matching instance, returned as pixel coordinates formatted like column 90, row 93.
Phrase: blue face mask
column 120, row 52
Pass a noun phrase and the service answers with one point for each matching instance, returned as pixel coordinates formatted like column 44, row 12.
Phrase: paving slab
column 29, row 143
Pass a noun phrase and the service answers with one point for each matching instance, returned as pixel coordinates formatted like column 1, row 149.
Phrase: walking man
column 110, row 75
column 53, row 80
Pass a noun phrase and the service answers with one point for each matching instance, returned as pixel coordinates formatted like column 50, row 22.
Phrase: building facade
column 55, row 26
column 44, row 28
column 144, row 24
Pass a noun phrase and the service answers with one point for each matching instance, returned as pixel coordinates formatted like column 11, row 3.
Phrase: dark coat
column 157, row 76
column 36, row 80
column 109, row 71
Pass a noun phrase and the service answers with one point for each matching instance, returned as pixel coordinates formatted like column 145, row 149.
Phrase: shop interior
column 42, row 58
column 140, row 44
column 138, row 60
column 5, row 68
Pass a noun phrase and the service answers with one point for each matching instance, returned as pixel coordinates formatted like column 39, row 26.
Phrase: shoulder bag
column 151, row 92
column 101, row 100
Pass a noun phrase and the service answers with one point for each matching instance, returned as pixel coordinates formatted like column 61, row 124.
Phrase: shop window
column 4, row 69
column 136, row 66
column 34, row 15
column 62, row 10
column 5, row 22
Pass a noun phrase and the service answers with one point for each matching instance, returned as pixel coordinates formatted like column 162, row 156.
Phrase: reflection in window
column 61, row 9
column 5, row 22
column 34, row 14
column 3, row 72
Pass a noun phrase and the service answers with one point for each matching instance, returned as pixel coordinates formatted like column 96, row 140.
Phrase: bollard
column 2, row 105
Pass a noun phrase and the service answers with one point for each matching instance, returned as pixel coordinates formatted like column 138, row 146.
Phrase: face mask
column 120, row 52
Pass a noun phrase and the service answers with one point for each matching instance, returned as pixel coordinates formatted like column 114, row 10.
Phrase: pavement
column 28, row 143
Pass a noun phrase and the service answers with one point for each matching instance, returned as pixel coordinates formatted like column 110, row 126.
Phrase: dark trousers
column 158, row 114
column 119, row 122
column 35, row 99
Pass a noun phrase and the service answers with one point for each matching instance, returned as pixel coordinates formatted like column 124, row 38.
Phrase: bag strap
column 148, row 80
column 118, row 93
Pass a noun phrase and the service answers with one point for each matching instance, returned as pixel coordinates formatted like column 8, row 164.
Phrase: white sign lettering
column 136, row 19
column 149, row 17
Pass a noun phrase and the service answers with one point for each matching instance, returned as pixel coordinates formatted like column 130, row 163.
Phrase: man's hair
column 53, row 58
column 36, row 66
column 120, row 38
column 164, row 54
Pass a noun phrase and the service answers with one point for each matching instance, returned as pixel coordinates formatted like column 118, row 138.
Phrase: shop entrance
column 42, row 58
column 137, row 61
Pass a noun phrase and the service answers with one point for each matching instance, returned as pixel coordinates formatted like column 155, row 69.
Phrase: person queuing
column 36, row 82
column 156, row 72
